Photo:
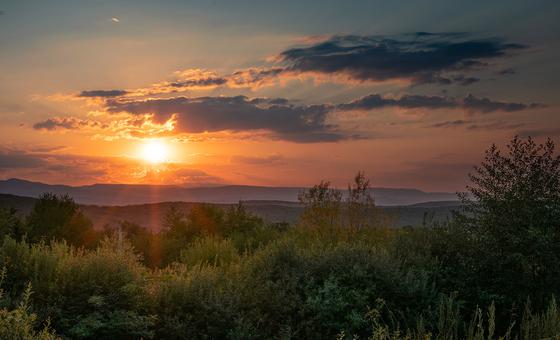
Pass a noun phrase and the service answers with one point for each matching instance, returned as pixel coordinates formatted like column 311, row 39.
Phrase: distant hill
column 150, row 215
column 126, row 194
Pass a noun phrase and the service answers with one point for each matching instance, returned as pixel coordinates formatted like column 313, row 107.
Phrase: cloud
column 53, row 166
column 194, row 176
column 200, row 79
column 81, row 169
column 469, row 103
column 506, row 71
column 437, row 79
column 420, row 58
column 68, row 123
column 103, row 93
column 16, row 159
column 472, row 125
column 450, row 123
column 255, row 77
column 302, row 124
column 486, row 105
column 255, row 160
column 256, row 118
column 127, row 127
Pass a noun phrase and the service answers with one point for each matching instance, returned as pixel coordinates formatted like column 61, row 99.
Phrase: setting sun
column 154, row 151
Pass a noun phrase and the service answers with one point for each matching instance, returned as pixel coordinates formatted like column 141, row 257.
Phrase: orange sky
column 235, row 100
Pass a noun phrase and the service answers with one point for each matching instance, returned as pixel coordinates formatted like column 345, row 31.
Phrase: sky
column 273, row 93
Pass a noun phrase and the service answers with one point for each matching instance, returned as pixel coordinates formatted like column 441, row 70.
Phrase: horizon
column 221, row 93
column 213, row 185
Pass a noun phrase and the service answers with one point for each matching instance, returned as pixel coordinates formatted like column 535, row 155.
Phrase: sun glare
column 154, row 151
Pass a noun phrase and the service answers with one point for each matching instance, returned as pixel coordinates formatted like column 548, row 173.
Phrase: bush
column 87, row 294
column 19, row 323
column 195, row 304
column 209, row 251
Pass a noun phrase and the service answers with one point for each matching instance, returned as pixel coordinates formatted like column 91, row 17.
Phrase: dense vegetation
column 492, row 271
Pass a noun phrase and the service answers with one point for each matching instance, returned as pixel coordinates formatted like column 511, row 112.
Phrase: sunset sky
column 283, row 93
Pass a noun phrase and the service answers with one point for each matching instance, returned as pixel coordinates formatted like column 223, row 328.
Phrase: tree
column 325, row 207
column 240, row 221
column 510, row 225
column 322, row 206
column 57, row 217
column 517, row 192
column 11, row 224
column 360, row 205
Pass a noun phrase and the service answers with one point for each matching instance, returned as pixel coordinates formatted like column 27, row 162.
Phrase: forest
column 343, row 271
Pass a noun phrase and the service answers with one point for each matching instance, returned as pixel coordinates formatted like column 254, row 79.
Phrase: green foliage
column 19, row 323
column 11, row 224
column 340, row 273
column 210, row 251
column 325, row 207
column 360, row 205
column 59, row 218
column 322, row 206
column 86, row 294
column 511, row 226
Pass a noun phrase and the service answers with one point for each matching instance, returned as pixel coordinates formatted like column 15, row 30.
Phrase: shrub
column 19, row 323
column 209, row 251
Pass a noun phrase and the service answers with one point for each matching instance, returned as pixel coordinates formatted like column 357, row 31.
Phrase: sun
column 154, row 151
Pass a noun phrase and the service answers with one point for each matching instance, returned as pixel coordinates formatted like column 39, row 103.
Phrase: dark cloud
column 276, row 118
column 471, row 125
column 255, row 77
column 463, row 80
column 469, row 103
column 103, row 93
column 202, row 82
column 486, row 105
column 303, row 124
column 55, row 123
column 437, row 79
column 421, row 57
column 15, row 159
column 450, row 123
column 506, row 71
column 70, row 123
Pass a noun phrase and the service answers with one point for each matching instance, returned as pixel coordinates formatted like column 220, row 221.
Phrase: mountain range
column 127, row 194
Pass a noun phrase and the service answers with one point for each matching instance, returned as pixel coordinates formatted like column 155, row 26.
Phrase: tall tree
column 59, row 217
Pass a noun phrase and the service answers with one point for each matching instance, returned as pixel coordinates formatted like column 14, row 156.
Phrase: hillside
column 150, row 215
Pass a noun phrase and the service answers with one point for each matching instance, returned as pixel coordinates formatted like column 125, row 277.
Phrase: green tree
column 505, row 245
column 59, row 217
column 238, row 220
column 322, row 206
column 360, row 205
column 11, row 224
column 515, row 193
